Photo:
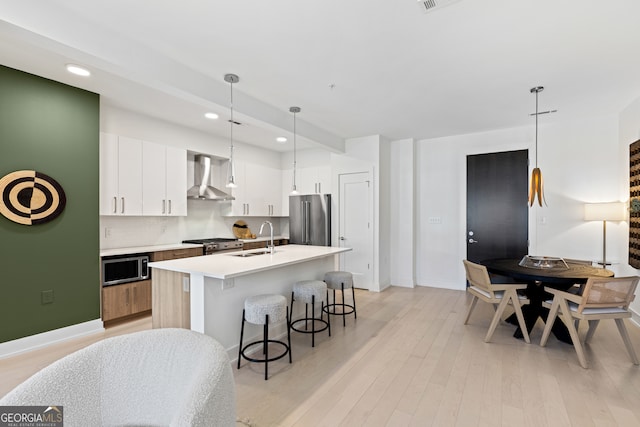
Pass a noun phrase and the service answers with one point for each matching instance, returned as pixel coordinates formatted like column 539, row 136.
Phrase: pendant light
column 231, row 172
column 294, row 110
column 537, row 184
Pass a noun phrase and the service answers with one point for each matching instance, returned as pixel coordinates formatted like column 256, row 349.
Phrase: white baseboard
column 635, row 317
column 22, row 345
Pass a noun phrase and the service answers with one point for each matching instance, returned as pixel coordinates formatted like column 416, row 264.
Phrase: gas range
column 217, row 244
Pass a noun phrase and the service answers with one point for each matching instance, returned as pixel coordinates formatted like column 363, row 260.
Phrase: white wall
column 629, row 132
column 384, row 212
column 364, row 155
column 580, row 162
column 402, row 236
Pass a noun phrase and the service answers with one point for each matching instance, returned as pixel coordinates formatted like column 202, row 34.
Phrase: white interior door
column 356, row 227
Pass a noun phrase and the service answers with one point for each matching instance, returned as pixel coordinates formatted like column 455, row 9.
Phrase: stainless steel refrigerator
column 310, row 220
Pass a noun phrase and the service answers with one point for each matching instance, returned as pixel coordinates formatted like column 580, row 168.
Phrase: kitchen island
column 207, row 293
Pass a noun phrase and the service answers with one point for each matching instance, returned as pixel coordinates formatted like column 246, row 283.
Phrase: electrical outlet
column 435, row 220
column 46, row 297
column 228, row 284
column 107, row 232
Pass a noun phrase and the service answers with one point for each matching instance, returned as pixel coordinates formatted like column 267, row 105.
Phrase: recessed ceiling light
column 211, row 116
column 281, row 139
column 78, row 70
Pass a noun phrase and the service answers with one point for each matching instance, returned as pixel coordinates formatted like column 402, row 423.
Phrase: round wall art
column 29, row 197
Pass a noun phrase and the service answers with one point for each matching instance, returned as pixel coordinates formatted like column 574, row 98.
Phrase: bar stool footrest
column 325, row 325
column 271, row 359
column 338, row 313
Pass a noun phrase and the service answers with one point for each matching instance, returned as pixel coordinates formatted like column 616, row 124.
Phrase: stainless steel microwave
column 125, row 269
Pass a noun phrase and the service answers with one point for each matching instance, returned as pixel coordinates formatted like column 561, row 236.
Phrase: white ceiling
column 355, row 67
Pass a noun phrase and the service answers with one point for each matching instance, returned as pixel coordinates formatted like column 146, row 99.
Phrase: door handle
column 342, row 238
column 472, row 241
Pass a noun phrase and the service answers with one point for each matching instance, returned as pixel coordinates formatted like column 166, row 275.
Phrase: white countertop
column 226, row 265
column 141, row 249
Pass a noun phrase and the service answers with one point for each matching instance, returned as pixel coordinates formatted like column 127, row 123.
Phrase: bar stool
column 310, row 292
column 265, row 310
column 339, row 280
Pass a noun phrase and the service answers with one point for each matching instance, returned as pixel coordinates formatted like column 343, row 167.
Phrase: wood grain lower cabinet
column 171, row 292
column 175, row 254
column 263, row 244
column 126, row 299
column 171, row 300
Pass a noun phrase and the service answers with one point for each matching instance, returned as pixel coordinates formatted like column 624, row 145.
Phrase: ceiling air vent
column 431, row 5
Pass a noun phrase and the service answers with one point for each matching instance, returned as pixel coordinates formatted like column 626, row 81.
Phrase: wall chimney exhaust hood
column 202, row 177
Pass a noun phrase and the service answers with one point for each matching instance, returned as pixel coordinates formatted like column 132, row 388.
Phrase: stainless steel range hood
column 202, row 177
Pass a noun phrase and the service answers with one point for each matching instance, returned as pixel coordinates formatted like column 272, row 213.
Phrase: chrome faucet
column 270, row 247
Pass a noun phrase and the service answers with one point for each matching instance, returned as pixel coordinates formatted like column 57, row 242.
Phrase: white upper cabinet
column 120, row 175
column 176, row 181
column 141, row 178
column 239, row 206
column 164, row 180
column 313, row 180
column 265, row 185
column 259, row 191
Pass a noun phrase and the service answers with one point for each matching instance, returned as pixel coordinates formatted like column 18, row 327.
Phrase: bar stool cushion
column 258, row 306
column 335, row 279
column 306, row 289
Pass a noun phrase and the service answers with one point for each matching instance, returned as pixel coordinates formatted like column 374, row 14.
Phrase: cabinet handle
column 247, row 208
column 169, row 206
column 122, row 198
column 319, row 188
column 164, row 203
column 126, row 298
column 115, row 204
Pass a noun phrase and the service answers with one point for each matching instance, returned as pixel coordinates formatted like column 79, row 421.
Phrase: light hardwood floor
column 409, row 361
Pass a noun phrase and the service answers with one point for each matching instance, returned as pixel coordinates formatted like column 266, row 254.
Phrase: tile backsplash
column 205, row 219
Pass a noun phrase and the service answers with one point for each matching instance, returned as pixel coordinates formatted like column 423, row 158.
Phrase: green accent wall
column 51, row 128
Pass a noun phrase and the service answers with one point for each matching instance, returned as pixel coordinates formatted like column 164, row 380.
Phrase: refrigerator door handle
column 303, row 224
column 307, row 221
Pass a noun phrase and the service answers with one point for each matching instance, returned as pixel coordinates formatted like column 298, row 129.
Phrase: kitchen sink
column 248, row 254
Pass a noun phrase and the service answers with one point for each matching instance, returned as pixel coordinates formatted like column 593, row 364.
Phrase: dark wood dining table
column 536, row 279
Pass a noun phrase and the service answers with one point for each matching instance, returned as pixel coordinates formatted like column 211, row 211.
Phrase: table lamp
column 604, row 212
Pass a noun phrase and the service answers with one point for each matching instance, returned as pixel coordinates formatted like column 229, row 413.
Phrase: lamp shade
column 614, row 211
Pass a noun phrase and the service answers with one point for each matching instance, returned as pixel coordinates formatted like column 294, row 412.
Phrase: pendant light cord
column 231, row 122
column 294, row 145
column 537, row 128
